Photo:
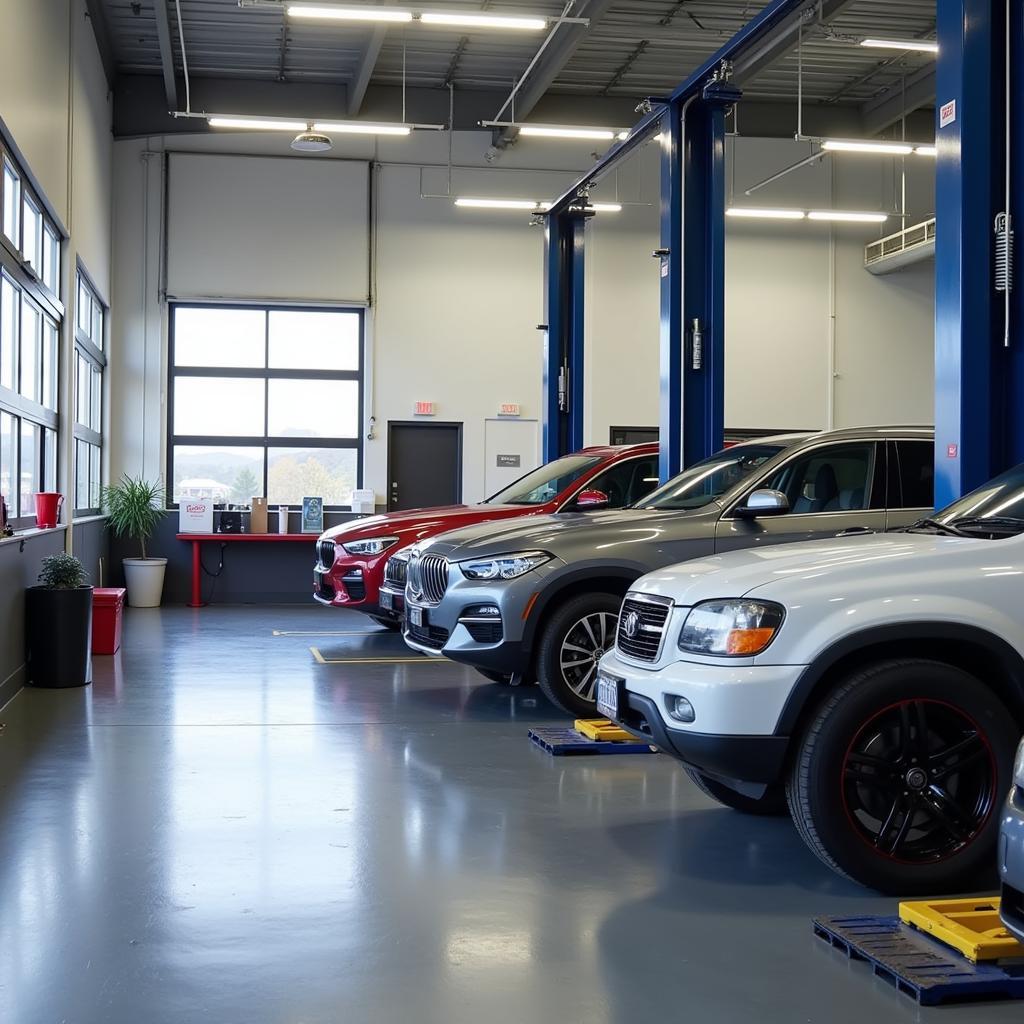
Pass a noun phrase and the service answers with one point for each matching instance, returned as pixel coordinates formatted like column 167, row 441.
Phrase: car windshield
column 705, row 482
column 995, row 509
column 546, row 483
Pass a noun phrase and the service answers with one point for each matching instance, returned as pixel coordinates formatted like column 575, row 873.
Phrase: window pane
column 81, row 475
column 10, row 305
column 84, row 308
column 917, row 471
column 222, row 473
column 95, row 414
column 302, row 340
column 12, row 204
column 82, row 381
column 297, row 473
column 31, row 324
column 50, row 459
column 94, row 475
column 314, row 408
column 31, row 239
column 8, row 461
column 49, row 363
column 222, row 406
column 51, row 259
column 29, row 467
column 96, row 332
column 219, row 337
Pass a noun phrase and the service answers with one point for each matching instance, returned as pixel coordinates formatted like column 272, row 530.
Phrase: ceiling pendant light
column 499, row 204
column 311, row 142
column 766, row 214
column 850, row 216
column 855, row 146
column 471, row 20
column 361, row 128
column 257, row 124
column 554, row 131
column 922, row 45
column 348, row 13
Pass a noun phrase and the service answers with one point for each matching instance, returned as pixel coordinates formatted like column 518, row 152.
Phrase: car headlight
column 505, row 567
column 373, row 546
column 731, row 628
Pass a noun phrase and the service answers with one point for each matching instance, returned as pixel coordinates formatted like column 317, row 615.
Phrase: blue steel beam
column 671, row 270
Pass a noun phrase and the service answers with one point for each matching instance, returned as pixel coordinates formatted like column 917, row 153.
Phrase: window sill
column 85, row 520
column 23, row 535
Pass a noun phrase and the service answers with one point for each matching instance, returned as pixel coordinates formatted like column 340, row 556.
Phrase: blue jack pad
column 917, row 965
column 562, row 742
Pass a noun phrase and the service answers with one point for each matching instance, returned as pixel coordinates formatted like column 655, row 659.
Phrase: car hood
column 551, row 532
column 420, row 523
column 788, row 572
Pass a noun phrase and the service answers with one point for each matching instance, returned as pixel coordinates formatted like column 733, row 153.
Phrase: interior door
column 424, row 465
column 833, row 489
column 511, row 450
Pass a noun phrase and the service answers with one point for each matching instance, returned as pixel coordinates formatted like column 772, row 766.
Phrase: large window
column 90, row 362
column 30, row 318
column 265, row 402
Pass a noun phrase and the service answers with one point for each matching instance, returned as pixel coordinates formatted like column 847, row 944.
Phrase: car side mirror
column 763, row 502
column 591, row 500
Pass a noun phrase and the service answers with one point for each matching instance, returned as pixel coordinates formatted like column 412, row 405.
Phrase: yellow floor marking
column 312, row 632
column 374, row 661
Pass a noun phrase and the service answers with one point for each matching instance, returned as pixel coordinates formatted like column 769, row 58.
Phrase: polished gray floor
column 230, row 827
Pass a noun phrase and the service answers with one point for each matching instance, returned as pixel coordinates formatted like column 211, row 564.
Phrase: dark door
column 632, row 435
column 424, row 465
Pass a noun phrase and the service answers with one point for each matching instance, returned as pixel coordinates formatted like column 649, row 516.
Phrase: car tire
column 899, row 776
column 572, row 633
column 394, row 625
column 771, row 805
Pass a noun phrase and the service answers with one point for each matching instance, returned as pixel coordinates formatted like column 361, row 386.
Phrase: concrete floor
column 224, row 828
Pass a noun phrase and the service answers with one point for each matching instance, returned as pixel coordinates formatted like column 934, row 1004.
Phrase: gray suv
column 540, row 599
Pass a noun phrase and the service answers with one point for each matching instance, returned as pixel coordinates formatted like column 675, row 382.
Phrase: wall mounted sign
column 425, row 409
column 509, row 461
column 947, row 113
column 952, row 451
column 509, row 409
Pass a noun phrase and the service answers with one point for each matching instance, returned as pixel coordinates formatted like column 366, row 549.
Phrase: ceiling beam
column 101, row 30
column 364, row 69
column 914, row 92
column 784, row 39
column 163, row 35
column 567, row 39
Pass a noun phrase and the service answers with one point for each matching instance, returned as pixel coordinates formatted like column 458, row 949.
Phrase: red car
column 351, row 558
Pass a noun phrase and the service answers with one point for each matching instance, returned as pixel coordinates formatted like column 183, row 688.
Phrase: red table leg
column 197, row 594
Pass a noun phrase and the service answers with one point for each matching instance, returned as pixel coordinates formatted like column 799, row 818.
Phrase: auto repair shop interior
column 511, row 511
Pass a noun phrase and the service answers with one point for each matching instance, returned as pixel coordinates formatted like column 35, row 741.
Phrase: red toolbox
column 107, row 612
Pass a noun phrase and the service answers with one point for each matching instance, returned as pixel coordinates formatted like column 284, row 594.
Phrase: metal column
column 564, row 334
column 979, row 381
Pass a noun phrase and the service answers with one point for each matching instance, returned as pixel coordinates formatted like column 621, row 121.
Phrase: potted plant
column 58, row 624
column 134, row 507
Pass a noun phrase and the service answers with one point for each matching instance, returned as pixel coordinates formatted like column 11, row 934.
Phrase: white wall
column 458, row 293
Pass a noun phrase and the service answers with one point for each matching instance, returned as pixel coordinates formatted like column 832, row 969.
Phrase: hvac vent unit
column 894, row 252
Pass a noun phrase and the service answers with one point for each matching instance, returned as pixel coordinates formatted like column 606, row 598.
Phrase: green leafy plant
column 62, row 572
column 134, row 507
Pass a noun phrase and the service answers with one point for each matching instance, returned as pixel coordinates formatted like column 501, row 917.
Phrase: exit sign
column 425, row 409
column 508, row 409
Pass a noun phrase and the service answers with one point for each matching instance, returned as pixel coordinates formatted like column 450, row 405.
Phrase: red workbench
column 196, row 539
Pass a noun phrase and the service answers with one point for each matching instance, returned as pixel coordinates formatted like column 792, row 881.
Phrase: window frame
column 29, row 285
column 266, row 442
column 94, row 357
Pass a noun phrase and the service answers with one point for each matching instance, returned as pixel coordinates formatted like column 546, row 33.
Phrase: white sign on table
column 195, row 515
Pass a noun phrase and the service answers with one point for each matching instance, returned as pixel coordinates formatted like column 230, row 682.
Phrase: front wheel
column 899, row 777
column 572, row 643
column 772, row 803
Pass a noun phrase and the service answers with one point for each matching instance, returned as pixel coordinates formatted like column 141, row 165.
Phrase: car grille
column 428, row 577
column 430, row 636
column 645, row 619
column 395, row 571
column 485, row 632
column 325, row 553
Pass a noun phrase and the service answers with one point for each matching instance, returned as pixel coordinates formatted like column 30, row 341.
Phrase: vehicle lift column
column 692, row 268
column 563, row 332
column 979, row 346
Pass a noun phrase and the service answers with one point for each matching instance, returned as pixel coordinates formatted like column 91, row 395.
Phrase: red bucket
column 48, row 506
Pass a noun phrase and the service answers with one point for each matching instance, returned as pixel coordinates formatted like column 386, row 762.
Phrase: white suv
column 873, row 687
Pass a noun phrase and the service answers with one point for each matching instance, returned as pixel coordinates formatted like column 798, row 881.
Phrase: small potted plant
column 58, row 624
column 134, row 507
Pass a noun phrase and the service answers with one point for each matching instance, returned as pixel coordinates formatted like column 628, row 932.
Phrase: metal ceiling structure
column 631, row 49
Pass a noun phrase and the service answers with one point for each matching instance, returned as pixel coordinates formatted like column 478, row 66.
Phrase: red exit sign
column 425, row 409
column 508, row 409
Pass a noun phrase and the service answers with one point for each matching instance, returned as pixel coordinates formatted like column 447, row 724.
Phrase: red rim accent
column 858, row 829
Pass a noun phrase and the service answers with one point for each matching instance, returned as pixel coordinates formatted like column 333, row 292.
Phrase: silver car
column 540, row 599
column 1011, row 852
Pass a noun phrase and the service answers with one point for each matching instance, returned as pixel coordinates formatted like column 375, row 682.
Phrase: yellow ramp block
column 602, row 729
column 969, row 925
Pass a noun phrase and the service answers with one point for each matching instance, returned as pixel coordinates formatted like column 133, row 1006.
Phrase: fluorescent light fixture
column 926, row 150
column 848, row 215
column 924, row 45
column 780, row 214
column 361, row 128
column 349, row 13
column 846, row 146
column 483, row 21
column 622, row 136
column 606, row 207
column 552, row 131
column 500, row 204
column 257, row 124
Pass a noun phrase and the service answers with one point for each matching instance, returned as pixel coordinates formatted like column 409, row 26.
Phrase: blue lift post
column 979, row 378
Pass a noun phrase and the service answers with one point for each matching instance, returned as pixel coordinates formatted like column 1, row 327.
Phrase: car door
column 911, row 480
column 833, row 488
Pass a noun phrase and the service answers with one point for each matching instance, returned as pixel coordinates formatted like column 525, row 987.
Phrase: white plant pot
column 144, row 578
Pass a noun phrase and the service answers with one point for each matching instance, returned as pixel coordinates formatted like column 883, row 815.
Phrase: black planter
column 58, row 636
